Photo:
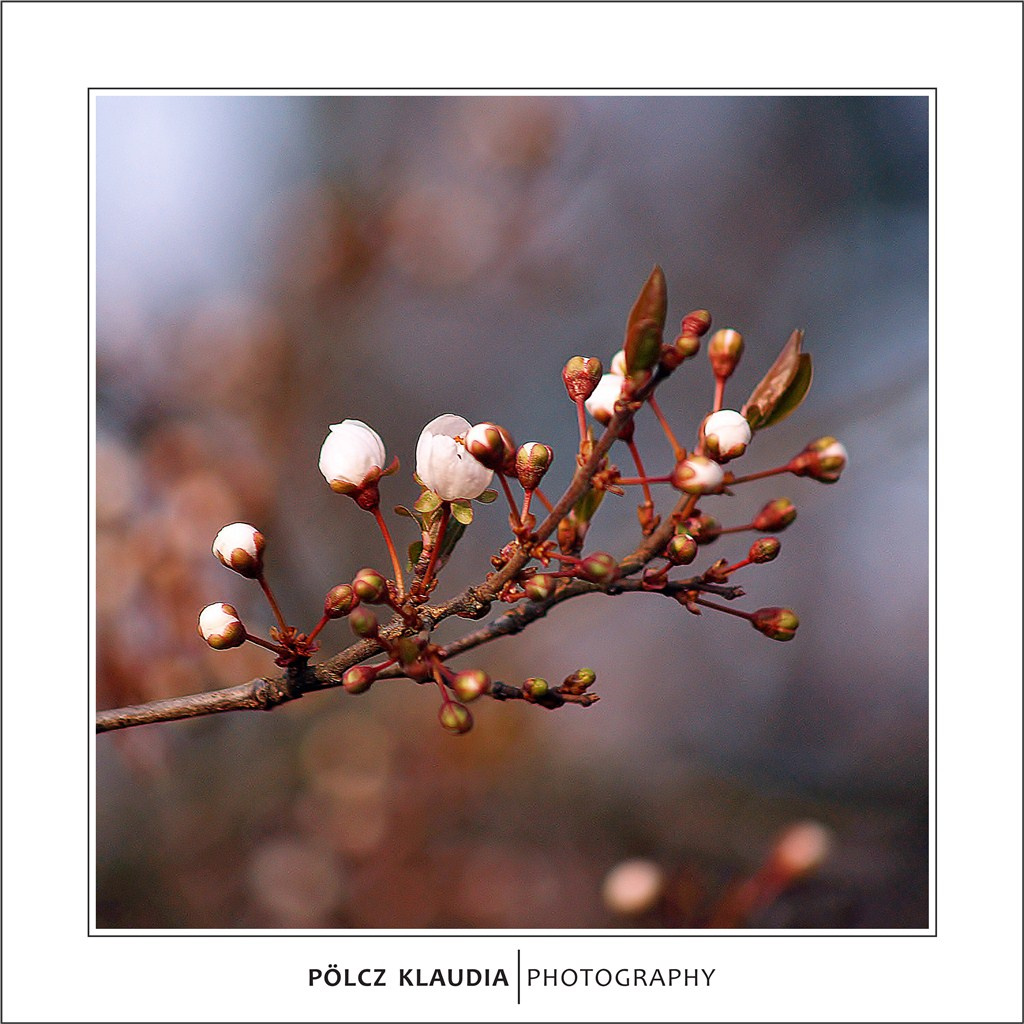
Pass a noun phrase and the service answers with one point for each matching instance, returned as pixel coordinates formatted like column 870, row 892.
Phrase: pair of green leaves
column 426, row 511
column 782, row 388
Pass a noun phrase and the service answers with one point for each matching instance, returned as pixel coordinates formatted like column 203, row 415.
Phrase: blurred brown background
column 267, row 266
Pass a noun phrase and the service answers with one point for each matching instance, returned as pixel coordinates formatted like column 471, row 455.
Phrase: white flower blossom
column 239, row 546
column 220, row 626
column 443, row 463
column 352, row 453
column 601, row 404
column 619, row 363
column 726, row 435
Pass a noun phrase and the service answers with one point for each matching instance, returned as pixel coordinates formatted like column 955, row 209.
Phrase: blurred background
column 267, row 266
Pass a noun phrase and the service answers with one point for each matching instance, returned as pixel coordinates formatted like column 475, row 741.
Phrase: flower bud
column 696, row 323
column 580, row 376
column 601, row 404
column 352, row 457
column 703, row 528
column 686, row 346
column 470, row 683
column 239, row 546
column 726, row 435
column 600, row 568
column 492, row 446
column 220, row 627
column 363, row 622
column 532, row 461
column 455, row 718
column 359, row 678
column 775, row 516
column 775, row 623
column 370, row 586
column 618, row 366
column 724, row 351
column 822, row 460
column 539, row 587
column 579, row 681
column 443, row 463
column 536, row 688
column 764, row 549
column 698, row 475
column 645, row 324
column 340, row 600
column 681, row 549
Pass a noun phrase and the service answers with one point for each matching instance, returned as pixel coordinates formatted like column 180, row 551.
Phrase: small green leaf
column 427, row 502
column 487, row 497
column 452, row 535
column 645, row 324
column 774, row 384
column 587, row 505
column 415, row 550
column 463, row 512
column 794, row 395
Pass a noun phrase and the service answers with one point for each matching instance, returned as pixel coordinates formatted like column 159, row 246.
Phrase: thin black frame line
column 931, row 932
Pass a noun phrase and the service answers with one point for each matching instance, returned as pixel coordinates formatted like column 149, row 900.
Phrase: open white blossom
column 239, row 546
column 619, row 363
column 220, row 626
column 352, row 453
column 443, row 463
column 726, row 435
column 601, row 404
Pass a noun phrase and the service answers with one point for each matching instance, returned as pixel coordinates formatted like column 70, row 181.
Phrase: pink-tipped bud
column 726, row 435
column 220, row 626
column 536, row 688
column 764, row 549
column 823, row 460
column 581, row 375
column 724, row 351
column 681, row 549
column 703, row 528
column 696, row 323
column 239, row 546
column 532, row 461
column 455, row 718
column 370, row 586
column 539, row 587
column 775, row 623
column 579, row 681
column 775, row 516
column 363, row 622
column 340, row 600
column 600, row 568
column 470, row 683
column 492, row 446
column 698, row 475
column 359, row 678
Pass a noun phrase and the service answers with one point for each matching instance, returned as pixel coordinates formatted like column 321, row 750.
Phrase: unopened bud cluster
column 456, row 462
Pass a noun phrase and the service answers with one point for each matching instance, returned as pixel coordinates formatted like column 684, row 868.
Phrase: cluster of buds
column 456, row 463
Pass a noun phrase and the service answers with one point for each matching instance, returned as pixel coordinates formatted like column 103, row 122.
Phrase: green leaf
column 463, row 512
column 645, row 324
column 452, row 535
column 588, row 504
column 487, row 497
column 415, row 550
column 427, row 502
column 794, row 395
column 759, row 407
column 401, row 510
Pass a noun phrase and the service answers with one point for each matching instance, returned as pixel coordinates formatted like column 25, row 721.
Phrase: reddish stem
column 759, row 476
column 543, row 500
column 677, row 448
column 395, row 564
column 635, row 452
column 273, row 603
column 320, row 625
column 581, row 411
column 724, row 608
column 527, row 498
column 719, row 393
column 634, row 481
column 259, row 641
column 446, row 511
column 511, row 501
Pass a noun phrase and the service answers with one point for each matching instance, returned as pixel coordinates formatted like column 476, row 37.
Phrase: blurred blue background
column 267, row 266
